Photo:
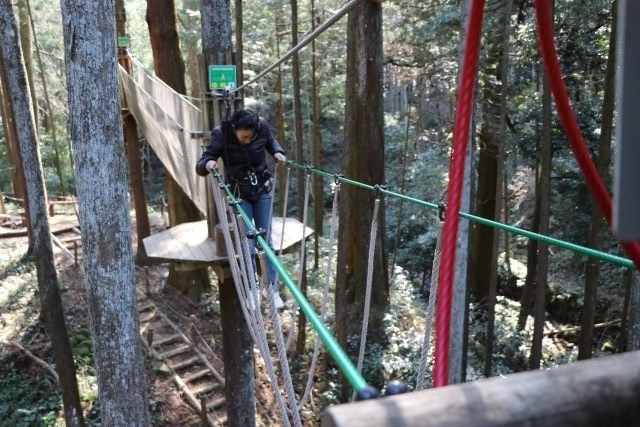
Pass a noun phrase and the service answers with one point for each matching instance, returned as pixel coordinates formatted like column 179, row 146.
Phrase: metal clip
column 253, row 179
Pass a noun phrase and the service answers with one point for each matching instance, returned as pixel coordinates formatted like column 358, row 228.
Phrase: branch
column 36, row 359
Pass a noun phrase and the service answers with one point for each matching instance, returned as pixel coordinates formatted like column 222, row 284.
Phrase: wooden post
column 596, row 392
column 237, row 351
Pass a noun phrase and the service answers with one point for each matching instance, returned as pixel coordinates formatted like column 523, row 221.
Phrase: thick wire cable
column 303, row 250
column 544, row 21
column 325, row 294
column 454, row 193
column 305, row 41
column 612, row 259
column 367, row 293
column 430, row 315
column 220, row 202
column 256, row 320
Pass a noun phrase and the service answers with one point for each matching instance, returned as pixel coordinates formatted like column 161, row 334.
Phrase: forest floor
column 28, row 393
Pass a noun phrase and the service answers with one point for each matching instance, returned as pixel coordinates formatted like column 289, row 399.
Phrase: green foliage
column 28, row 398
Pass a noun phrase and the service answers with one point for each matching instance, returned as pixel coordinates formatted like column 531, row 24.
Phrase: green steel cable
column 339, row 356
column 613, row 259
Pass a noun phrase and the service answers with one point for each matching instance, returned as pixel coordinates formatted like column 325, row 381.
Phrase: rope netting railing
column 247, row 288
column 168, row 121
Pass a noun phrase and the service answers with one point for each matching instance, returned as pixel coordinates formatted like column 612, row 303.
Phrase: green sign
column 221, row 76
column 123, row 41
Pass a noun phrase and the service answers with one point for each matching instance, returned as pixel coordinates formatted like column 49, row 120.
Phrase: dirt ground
column 168, row 407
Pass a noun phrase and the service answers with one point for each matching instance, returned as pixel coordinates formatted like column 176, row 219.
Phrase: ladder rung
column 146, row 306
column 205, row 388
column 174, row 352
column 216, row 403
column 185, row 363
column 148, row 317
column 197, row 375
column 166, row 340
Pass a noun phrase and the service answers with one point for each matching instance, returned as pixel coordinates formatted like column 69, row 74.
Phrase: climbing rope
column 303, row 250
column 454, row 193
column 325, row 292
column 367, row 295
column 431, row 309
column 242, row 272
column 544, row 21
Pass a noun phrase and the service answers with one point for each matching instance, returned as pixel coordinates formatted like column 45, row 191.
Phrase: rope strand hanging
column 367, row 296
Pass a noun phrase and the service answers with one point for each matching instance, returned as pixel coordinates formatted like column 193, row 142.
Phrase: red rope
column 456, row 178
column 546, row 36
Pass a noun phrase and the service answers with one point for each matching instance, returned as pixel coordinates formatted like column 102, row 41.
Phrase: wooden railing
column 597, row 392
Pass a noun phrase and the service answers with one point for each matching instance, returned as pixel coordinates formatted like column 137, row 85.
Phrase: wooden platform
column 189, row 242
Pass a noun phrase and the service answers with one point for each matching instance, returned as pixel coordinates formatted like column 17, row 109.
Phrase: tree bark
column 13, row 151
column 134, row 158
column 363, row 161
column 45, row 90
column 300, row 158
column 14, row 72
column 544, row 191
column 592, row 268
column 169, row 67
column 101, row 171
column 317, row 152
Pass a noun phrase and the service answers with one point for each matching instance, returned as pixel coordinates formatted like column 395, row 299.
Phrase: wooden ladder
column 195, row 377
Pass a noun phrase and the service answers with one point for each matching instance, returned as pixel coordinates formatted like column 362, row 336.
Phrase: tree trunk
column 13, row 151
column 101, row 171
column 134, row 158
column 22, row 113
column 460, row 298
column 592, row 269
column 25, row 23
column 299, row 157
column 363, row 161
column 544, row 191
column 45, row 90
column 528, row 290
column 279, row 109
column 633, row 330
column 169, row 67
column 502, row 76
column 317, row 152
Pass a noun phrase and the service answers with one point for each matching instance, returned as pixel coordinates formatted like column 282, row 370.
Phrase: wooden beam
column 237, row 351
column 596, row 392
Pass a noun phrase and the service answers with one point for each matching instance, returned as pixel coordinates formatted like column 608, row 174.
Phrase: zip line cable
column 305, row 41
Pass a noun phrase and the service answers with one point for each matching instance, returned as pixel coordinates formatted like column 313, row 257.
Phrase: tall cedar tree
column 169, row 67
column 362, row 160
column 102, row 183
column 14, row 71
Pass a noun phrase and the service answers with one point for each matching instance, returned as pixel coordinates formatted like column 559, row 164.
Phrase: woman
column 243, row 143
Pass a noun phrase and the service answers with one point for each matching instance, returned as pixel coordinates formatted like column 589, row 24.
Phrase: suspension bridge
column 173, row 126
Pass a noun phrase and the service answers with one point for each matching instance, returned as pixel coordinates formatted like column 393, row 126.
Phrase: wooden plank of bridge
column 190, row 242
column 597, row 392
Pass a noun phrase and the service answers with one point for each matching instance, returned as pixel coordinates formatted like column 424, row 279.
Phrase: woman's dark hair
column 246, row 119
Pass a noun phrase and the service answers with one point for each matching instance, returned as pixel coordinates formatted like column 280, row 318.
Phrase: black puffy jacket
column 239, row 160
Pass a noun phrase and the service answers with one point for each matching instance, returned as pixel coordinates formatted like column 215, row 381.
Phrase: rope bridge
column 169, row 122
